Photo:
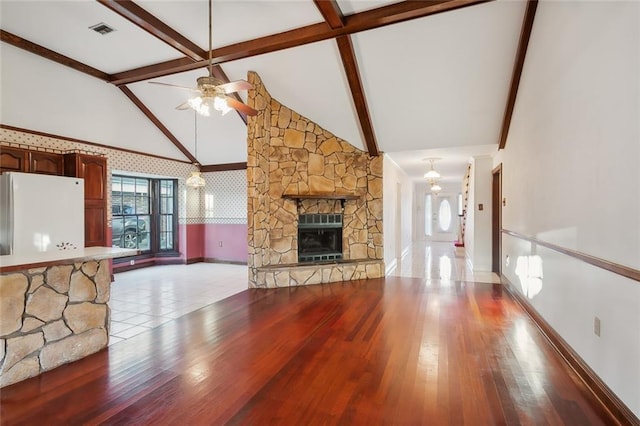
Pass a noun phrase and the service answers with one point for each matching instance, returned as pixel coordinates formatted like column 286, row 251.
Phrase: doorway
column 496, row 220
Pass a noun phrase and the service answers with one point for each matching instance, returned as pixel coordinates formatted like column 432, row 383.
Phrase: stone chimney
column 292, row 159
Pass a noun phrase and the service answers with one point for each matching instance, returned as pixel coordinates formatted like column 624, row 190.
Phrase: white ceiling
column 435, row 86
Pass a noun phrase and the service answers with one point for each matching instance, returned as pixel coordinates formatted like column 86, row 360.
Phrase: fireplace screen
column 319, row 237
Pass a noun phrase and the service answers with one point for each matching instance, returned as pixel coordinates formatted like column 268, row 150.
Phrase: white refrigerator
column 40, row 213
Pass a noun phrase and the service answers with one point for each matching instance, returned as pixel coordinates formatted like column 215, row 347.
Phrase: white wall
column 571, row 177
column 478, row 226
column 394, row 220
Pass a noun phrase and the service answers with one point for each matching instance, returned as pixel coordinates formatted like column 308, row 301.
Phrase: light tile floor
column 442, row 261
column 146, row 298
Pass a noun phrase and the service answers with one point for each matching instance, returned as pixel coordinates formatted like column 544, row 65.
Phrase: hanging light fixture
column 195, row 179
column 432, row 174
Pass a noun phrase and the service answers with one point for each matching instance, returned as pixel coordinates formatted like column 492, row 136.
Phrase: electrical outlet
column 132, row 262
column 596, row 326
column 219, row 243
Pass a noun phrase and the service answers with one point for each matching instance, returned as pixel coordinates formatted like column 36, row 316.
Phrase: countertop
column 15, row 262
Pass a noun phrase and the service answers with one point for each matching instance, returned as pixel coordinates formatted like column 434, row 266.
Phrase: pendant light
column 195, row 179
column 432, row 174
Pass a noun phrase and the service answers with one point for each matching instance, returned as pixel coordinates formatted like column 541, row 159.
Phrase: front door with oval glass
column 441, row 222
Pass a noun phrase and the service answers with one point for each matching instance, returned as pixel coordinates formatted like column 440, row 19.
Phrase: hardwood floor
column 398, row 350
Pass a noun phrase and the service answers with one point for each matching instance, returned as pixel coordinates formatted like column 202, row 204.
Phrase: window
column 427, row 215
column 143, row 214
column 444, row 215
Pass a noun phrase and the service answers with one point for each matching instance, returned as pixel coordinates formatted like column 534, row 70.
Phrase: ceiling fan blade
column 235, row 86
column 174, row 85
column 232, row 103
column 183, row 106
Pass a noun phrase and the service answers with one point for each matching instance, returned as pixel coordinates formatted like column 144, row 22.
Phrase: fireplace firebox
column 319, row 237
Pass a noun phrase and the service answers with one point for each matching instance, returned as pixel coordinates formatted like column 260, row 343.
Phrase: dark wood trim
column 223, row 167
column 330, row 196
column 350, row 65
column 142, row 107
column 219, row 73
column 610, row 402
column 144, row 263
column 161, row 69
column 195, row 260
column 496, row 219
column 36, row 49
column 65, row 138
column 154, row 26
column 331, row 13
column 523, row 44
column 169, row 261
column 354, row 23
column 228, row 262
column 613, row 267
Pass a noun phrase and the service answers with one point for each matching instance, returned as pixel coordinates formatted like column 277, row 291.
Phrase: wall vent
column 102, row 28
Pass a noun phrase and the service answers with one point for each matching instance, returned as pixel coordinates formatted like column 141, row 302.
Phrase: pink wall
column 193, row 247
column 234, row 242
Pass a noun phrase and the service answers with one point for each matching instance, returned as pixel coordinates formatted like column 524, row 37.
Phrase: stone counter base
column 51, row 316
column 314, row 273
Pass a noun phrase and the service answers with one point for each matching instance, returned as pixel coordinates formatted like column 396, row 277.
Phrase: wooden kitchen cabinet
column 47, row 163
column 13, row 159
column 93, row 169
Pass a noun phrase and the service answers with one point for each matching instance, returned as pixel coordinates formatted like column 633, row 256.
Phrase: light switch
column 480, row 206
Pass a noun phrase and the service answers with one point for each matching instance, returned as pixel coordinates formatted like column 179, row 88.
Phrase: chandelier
column 195, row 179
column 432, row 177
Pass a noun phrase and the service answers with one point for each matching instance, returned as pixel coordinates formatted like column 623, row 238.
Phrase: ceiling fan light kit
column 212, row 92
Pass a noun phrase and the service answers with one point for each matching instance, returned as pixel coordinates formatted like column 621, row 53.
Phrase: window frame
column 155, row 214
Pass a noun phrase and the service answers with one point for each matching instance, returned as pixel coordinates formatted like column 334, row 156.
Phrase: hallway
column 433, row 260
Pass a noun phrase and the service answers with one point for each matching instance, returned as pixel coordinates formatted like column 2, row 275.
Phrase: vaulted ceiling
column 413, row 79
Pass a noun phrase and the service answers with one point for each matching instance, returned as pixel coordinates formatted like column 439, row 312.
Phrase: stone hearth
column 289, row 156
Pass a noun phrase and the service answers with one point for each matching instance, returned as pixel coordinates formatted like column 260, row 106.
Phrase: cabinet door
column 95, row 224
column 94, row 172
column 13, row 160
column 45, row 163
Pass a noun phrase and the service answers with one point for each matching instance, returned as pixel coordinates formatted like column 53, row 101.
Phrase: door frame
column 496, row 220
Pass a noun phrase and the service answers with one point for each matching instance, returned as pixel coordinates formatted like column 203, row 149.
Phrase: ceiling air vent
column 102, row 28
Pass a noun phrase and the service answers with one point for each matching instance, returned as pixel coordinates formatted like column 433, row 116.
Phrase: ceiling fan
column 211, row 92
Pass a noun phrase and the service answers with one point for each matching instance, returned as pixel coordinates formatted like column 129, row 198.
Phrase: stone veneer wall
column 289, row 154
column 51, row 316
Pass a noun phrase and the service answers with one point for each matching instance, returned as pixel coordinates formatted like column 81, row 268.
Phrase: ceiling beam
column 148, row 22
column 331, row 12
column 142, row 107
column 357, row 22
column 333, row 16
column 154, row 26
column 36, row 49
column 525, row 35
column 223, row 167
column 357, row 93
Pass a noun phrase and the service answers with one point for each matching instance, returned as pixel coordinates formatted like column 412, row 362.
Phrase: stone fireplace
column 314, row 201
